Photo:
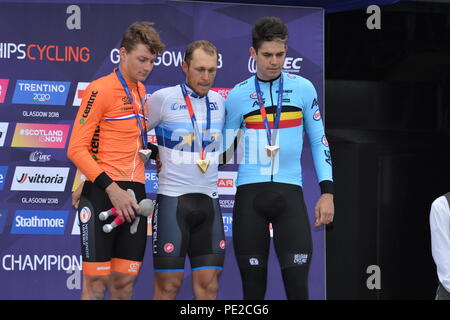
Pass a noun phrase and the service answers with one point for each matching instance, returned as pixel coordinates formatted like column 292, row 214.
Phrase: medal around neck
column 145, row 154
column 203, row 164
column 272, row 150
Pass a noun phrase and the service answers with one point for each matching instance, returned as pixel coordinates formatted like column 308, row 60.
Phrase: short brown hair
column 268, row 29
column 142, row 32
column 207, row 46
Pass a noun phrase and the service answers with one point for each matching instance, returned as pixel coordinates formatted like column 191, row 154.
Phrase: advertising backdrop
column 49, row 52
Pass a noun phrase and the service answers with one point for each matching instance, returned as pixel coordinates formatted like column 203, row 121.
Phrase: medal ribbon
column 194, row 120
column 262, row 109
column 136, row 110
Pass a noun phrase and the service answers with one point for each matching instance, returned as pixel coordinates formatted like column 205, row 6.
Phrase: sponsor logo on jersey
column 300, row 258
column 253, row 261
column 222, row 244
column 316, row 115
column 325, row 141
column 169, row 247
column 85, row 214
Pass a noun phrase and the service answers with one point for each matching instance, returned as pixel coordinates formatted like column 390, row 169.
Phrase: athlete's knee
column 121, row 287
column 167, row 287
column 94, row 287
column 207, row 284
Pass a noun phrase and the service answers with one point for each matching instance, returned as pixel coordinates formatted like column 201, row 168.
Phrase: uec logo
column 290, row 64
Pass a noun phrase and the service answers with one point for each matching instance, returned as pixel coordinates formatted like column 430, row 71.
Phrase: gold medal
column 272, row 150
column 203, row 164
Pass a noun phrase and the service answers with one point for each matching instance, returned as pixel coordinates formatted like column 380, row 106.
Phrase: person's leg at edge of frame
column 205, row 283
column 167, row 285
column 96, row 279
column 123, row 276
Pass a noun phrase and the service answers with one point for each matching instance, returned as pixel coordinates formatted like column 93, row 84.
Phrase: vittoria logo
column 40, row 179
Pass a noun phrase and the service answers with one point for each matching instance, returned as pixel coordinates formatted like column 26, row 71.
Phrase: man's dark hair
column 207, row 46
column 268, row 29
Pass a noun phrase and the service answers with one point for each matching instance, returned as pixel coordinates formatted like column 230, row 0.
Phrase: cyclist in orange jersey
column 108, row 135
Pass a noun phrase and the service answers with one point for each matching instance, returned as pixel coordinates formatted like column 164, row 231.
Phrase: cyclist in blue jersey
column 270, row 111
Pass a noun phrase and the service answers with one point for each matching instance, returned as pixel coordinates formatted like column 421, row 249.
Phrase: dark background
column 387, row 119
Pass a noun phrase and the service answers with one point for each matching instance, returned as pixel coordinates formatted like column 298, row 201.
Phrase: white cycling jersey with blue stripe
column 178, row 147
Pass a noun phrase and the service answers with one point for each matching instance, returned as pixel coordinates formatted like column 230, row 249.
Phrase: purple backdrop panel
column 43, row 72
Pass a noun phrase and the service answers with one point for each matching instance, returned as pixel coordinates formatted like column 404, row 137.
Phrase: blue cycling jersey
column 300, row 113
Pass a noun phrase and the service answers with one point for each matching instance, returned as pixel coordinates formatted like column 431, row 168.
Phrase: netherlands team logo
column 85, row 215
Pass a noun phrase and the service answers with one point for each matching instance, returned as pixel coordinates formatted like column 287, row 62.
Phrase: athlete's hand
column 324, row 210
column 76, row 195
column 122, row 201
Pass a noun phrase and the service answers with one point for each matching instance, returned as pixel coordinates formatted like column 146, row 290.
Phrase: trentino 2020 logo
column 39, row 222
column 41, row 92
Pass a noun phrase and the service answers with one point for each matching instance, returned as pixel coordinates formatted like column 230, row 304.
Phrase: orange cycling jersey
column 106, row 138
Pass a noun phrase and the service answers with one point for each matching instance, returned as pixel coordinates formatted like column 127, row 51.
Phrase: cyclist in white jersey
column 188, row 120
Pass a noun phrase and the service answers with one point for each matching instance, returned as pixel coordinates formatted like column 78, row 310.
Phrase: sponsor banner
column 79, row 178
column 41, row 92
column 3, row 171
column 81, row 87
column 39, row 222
column 31, row 135
column 3, row 215
column 3, row 89
column 40, row 179
column 227, row 182
column 228, row 224
column 39, row 156
column 3, row 131
column 151, row 181
column 46, row 262
column 222, row 91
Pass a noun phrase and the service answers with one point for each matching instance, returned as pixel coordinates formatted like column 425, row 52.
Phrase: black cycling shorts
column 118, row 250
column 191, row 223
